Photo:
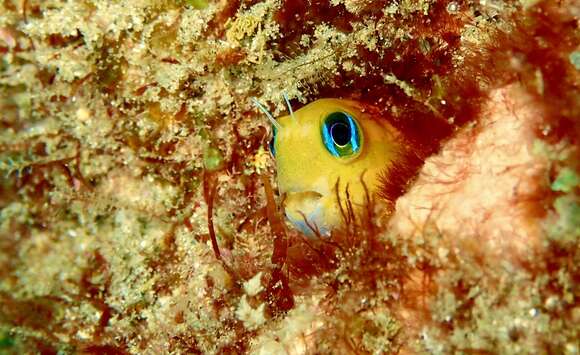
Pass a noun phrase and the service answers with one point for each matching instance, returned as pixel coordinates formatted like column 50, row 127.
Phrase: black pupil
column 340, row 133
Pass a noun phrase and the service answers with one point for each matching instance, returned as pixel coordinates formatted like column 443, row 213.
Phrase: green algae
column 575, row 59
column 198, row 4
column 6, row 341
column 566, row 181
column 212, row 159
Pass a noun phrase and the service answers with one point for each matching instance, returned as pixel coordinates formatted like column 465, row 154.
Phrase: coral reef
column 137, row 196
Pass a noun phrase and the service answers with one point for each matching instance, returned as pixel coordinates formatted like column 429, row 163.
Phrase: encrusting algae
column 140, row 212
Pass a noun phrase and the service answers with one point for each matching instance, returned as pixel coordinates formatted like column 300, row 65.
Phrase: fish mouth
column 303, row 196
column 307, row 212
column 302, row 204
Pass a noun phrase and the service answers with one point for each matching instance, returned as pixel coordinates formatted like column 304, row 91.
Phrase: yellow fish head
column 326, row 153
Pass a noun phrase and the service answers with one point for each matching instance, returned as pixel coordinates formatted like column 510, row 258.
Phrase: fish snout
column 310, row 211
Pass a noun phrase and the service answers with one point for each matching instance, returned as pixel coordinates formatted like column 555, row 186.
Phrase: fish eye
column 341, row 134
column 272, row 142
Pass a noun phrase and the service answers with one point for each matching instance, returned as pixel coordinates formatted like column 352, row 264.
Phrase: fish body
column 329, row 152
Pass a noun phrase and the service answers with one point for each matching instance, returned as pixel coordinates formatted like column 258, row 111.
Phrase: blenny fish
column 329, row 152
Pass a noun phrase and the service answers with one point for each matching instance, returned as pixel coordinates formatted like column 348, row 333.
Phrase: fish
column 332, row 155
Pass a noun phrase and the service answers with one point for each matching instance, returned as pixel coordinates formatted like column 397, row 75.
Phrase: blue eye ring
column 341, row 134
column 272, row 142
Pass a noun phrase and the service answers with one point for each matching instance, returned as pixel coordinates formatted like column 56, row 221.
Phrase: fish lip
column 303, row 210
column 304, row 193
column 302, row 202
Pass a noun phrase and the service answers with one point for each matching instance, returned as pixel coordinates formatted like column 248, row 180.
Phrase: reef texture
column 137, row 195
